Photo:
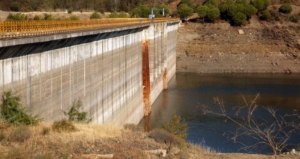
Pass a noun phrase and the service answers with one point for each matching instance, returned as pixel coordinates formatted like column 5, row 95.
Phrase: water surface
column 188, row 91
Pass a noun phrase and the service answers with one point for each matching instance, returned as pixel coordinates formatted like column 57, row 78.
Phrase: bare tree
column 274, row 133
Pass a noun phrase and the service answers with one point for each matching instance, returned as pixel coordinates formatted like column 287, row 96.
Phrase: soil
column 259, row 47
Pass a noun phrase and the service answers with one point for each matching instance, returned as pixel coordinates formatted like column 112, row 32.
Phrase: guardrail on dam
column 117, row 73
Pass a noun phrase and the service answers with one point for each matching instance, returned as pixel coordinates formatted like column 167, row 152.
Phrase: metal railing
column 14, row 29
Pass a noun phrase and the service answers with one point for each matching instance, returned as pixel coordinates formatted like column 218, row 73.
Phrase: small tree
column 165, row 7
column 274, row 133
column 239, row 18
column 141, row 11
column 184, row 11
column 176, row 126
column 286, row 8
column 250, row 10
column 123, row 15
column 261, row 4
column 95, row 15
column 202, row 11
column 75, row 115
column 15, row 6
column 213, row 13
column 12, row 113
column 113, row 15
column 265, row 15
column 16, row 17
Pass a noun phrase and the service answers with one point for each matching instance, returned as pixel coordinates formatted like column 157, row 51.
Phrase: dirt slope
column 218, row 48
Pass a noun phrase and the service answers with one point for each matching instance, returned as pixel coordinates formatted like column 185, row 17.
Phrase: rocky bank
column 259, row 47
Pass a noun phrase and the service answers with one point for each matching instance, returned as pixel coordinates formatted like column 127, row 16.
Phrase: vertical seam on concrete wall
column 102, row 105
column 28, row 83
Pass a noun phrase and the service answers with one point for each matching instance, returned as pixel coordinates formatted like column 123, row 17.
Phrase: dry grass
column 92, row 140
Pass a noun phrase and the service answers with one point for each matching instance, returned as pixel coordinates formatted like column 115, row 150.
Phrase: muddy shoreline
column 220, row 48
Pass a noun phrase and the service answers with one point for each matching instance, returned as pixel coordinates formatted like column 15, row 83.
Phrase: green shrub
column 63, row 126
column 36, row 17
column 294, row 18
column 133, row 127
column 265, row 15
column 74, row 17
column 123, row 15
column 286, row 8
column 141, row 11
column 95, row 15
column 113, row 15
column 48, row 17
column 20, row 134
column 165, row 7
column 17, row 17
column 261, row 4
column 184, row 11
column 239, row 18
column 176, row 126
column 12, row 113
column 75, row 115
column 15, row 6
column 213, row 13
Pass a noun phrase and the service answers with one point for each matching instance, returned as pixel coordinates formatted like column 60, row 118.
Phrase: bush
column 213, row 13
column 286, row 8
column 163, row 136
column 202, row 11
column 63, row 126
column 239, row 18
column 176, row 126
column 123, row 15
column 36, row 17
column 165, row 7
column 294, row 18
column 48, row 17
column 12, row 113
column 20, row 134
column 113, row 15
column 261, row 4
column 266, row 15
column 133, row 127
column 75, row 115
column 95, row 15
column 184, row 11
column 141, row 11
column 15, row 6
column 17, row 17
column 74, row 17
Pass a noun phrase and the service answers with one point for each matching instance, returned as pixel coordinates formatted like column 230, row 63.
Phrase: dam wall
column 104, row 69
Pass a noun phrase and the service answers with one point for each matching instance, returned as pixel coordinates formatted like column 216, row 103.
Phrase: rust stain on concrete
column 165, row 80
column 146, row 79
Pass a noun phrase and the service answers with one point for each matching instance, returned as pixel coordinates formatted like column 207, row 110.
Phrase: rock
column 174, row 151
column 160, row 152
column 293, row 152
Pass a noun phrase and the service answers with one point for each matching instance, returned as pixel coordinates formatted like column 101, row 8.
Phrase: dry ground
column 94, row 141
column 219, row 48
column 61, row 15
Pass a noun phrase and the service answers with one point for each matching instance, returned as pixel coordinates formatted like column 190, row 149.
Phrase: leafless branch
column 273, row 133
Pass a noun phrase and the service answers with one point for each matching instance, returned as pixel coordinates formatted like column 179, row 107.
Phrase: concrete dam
column 116, row 72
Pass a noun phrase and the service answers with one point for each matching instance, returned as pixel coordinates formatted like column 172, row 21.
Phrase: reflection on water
column 188, row 91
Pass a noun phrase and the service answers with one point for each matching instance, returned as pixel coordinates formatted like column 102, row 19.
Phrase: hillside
column 219, row 48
